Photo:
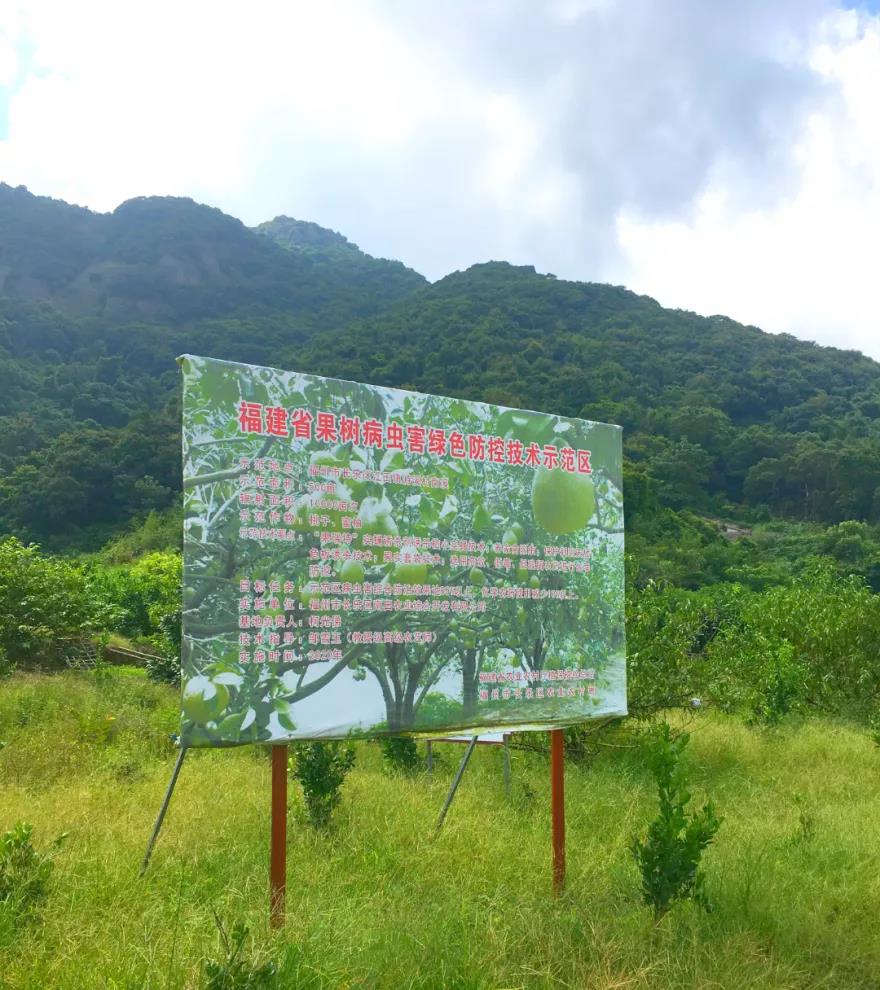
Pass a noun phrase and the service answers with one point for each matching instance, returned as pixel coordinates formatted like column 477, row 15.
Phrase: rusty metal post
column 278, row 849
column 557, row 801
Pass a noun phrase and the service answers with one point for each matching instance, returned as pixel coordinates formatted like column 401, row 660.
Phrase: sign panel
column 362, row 560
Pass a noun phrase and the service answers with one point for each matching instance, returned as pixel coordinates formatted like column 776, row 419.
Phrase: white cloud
column 9, row 63
column 809, row 264
column 724, row 158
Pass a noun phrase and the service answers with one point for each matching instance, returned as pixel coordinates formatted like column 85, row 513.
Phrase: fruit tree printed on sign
column 362, row 560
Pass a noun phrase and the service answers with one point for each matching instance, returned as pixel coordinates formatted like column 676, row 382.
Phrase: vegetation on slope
column 722, row 422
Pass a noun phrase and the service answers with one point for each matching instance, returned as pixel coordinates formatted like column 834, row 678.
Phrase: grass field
column 794, row 874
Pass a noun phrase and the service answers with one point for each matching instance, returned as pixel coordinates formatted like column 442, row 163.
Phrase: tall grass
column 379, row 902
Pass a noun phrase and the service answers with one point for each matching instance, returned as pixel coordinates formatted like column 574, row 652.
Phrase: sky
column 720, row 157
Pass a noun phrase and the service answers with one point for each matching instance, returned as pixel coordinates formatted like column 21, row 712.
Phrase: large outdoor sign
column 361, row 560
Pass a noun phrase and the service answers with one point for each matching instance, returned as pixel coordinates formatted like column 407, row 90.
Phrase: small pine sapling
column 400, row 753
column 321, row 768
column 669, row 855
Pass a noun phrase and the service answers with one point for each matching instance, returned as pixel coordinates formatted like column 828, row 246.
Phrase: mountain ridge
column 166, row 258
column 720, row 419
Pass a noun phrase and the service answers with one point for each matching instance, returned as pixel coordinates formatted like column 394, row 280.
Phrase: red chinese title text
column 330, row 428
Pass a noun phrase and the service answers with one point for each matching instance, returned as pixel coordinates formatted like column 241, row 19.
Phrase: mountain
column 727, row 429
column 170, row 259
column 314, row 241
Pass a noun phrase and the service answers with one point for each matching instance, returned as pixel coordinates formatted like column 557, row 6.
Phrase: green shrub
column 45, row 602
column 811, row 643
column 669, row 856
column 806, row 645
column 400, row 753
column 321, row 768
column 24, row 870
column 874, row 726
column 165, row 668
column 233, row 972
column 670, row 638
column 145, row 593
column 780, row 687
column 160, row 530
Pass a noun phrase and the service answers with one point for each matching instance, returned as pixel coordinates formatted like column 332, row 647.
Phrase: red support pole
column 278, row 850
column 557, row 800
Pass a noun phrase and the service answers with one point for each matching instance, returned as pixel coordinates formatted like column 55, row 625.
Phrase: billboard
column 362, row 560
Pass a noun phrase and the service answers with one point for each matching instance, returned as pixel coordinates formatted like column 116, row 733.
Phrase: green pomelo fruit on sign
column 481, row 519
column 230, row 726
column 534, row 581
column 352, row 571
column 409, row 572
column 522, row 574
column 376, row 519
column 518, row 531
column 203, row 699
column 562, row 502
column 307, row 593
column 477, row 577
column 510, row 539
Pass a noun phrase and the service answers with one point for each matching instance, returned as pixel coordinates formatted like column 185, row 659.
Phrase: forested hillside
column 747, row 453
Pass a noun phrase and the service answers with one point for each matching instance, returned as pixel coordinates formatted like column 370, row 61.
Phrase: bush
column 669, row 856
column 779, row 689
column 145, row 594
column 321, row 768
column 160, row 530
column 164, row 669
column 400, row 753
column 670, row 636
column 811, row 643
column 874, row 726
column 806, row 645
column 43, row 603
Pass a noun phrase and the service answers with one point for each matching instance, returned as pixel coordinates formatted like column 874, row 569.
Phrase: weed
column 806, row 829
column 233, row 972
column 24, row 870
